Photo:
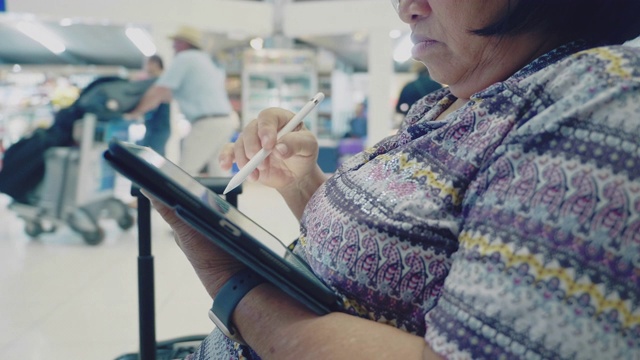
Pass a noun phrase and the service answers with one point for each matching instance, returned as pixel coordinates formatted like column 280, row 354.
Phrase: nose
column 412, row 10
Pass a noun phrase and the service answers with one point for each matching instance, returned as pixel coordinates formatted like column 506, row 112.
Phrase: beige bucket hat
column 189, row 34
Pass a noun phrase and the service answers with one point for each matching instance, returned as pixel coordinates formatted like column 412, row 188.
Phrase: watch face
column 228, row 298
column 219, row 324
column 228, row 332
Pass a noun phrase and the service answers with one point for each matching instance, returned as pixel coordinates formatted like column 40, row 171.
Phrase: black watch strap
column 228, row 298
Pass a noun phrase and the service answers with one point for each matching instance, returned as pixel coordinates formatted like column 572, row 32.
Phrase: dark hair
column 600, row 21
column 158, row 60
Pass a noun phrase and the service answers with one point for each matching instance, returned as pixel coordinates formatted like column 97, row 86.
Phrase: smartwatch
column 228, row 298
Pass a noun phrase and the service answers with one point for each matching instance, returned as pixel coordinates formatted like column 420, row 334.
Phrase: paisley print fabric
column 548, row 265
column 510, row 229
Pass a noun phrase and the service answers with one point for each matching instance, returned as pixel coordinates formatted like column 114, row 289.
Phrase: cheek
column 462, row 44
column 468, row 50
column 454, row 63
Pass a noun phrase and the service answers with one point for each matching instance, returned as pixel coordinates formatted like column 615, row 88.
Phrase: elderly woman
column 501, row 221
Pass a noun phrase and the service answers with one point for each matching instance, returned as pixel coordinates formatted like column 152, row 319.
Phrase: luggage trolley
column 78, row 186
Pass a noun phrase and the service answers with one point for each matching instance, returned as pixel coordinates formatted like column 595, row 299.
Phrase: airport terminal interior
column 64, row 299
column 69, row 294
column 69, row 267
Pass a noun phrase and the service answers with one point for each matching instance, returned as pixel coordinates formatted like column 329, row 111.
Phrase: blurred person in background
column 358, row 123
column 157, row 122
column 198, row 86
column 416, row 89
column 502, row 220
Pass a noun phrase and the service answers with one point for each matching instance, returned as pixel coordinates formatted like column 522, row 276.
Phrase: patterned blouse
column 526, row 200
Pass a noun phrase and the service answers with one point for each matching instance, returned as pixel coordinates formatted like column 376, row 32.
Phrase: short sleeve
column 175, row 74
column 548, row 264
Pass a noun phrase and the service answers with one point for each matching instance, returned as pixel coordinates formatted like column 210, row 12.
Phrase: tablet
column 222, row 223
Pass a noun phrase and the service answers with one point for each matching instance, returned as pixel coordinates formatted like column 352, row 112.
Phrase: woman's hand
column 212, row 264
column 294, row 156
column 291, row 168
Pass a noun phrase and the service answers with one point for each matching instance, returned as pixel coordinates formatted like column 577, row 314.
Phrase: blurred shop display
column 30, row 95
column 288, row 78
column 57, row 178
column 256, row 79
column 283, row 78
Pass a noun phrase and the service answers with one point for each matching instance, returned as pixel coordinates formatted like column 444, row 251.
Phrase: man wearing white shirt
column 198, row 86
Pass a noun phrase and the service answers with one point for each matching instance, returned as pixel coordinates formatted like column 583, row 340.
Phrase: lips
column 416, row 39
column 422, row 45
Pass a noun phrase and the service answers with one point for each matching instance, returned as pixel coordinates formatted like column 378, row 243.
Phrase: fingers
column 239, row 154
column 152, row 199
column 301, row 143
column 164, row 211
column 169, row 215
column 261, row 132
column 226, row 157
column 268, row 123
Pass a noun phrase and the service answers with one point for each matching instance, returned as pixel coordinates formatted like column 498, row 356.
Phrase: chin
column 437, row 76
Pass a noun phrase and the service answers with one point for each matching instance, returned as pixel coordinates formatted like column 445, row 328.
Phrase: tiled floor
column 63, row 299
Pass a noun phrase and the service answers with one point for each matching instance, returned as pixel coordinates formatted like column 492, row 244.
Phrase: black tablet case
column 289, row 274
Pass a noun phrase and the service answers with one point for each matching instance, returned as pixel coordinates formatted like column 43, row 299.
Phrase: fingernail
column 282, row 149
column 264, row 139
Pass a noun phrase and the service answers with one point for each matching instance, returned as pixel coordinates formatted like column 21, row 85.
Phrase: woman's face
column 443, row 41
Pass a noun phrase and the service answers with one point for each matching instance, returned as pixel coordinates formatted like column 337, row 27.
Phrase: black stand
column 149, row 348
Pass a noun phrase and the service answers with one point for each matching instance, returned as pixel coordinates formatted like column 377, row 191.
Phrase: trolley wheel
column 93, row 237
column 126, row 221
column 33, row 228
column 85, row 224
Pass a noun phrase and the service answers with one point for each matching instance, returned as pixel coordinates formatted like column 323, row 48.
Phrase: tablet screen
column 226, row 226
column 211, row 200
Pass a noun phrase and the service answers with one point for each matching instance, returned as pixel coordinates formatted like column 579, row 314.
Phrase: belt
column 209, row 116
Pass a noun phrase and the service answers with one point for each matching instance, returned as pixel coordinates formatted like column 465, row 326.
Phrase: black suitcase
column 23, row 165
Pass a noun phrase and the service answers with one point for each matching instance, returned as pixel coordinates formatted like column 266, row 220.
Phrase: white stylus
column 258, row 158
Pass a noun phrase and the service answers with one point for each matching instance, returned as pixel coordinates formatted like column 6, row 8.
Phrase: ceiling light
column 141, row 39
column 42, row 35
column 359, row 36
column 257, row 43
column 66, row 22
column 402, row 52
column 394, row 34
